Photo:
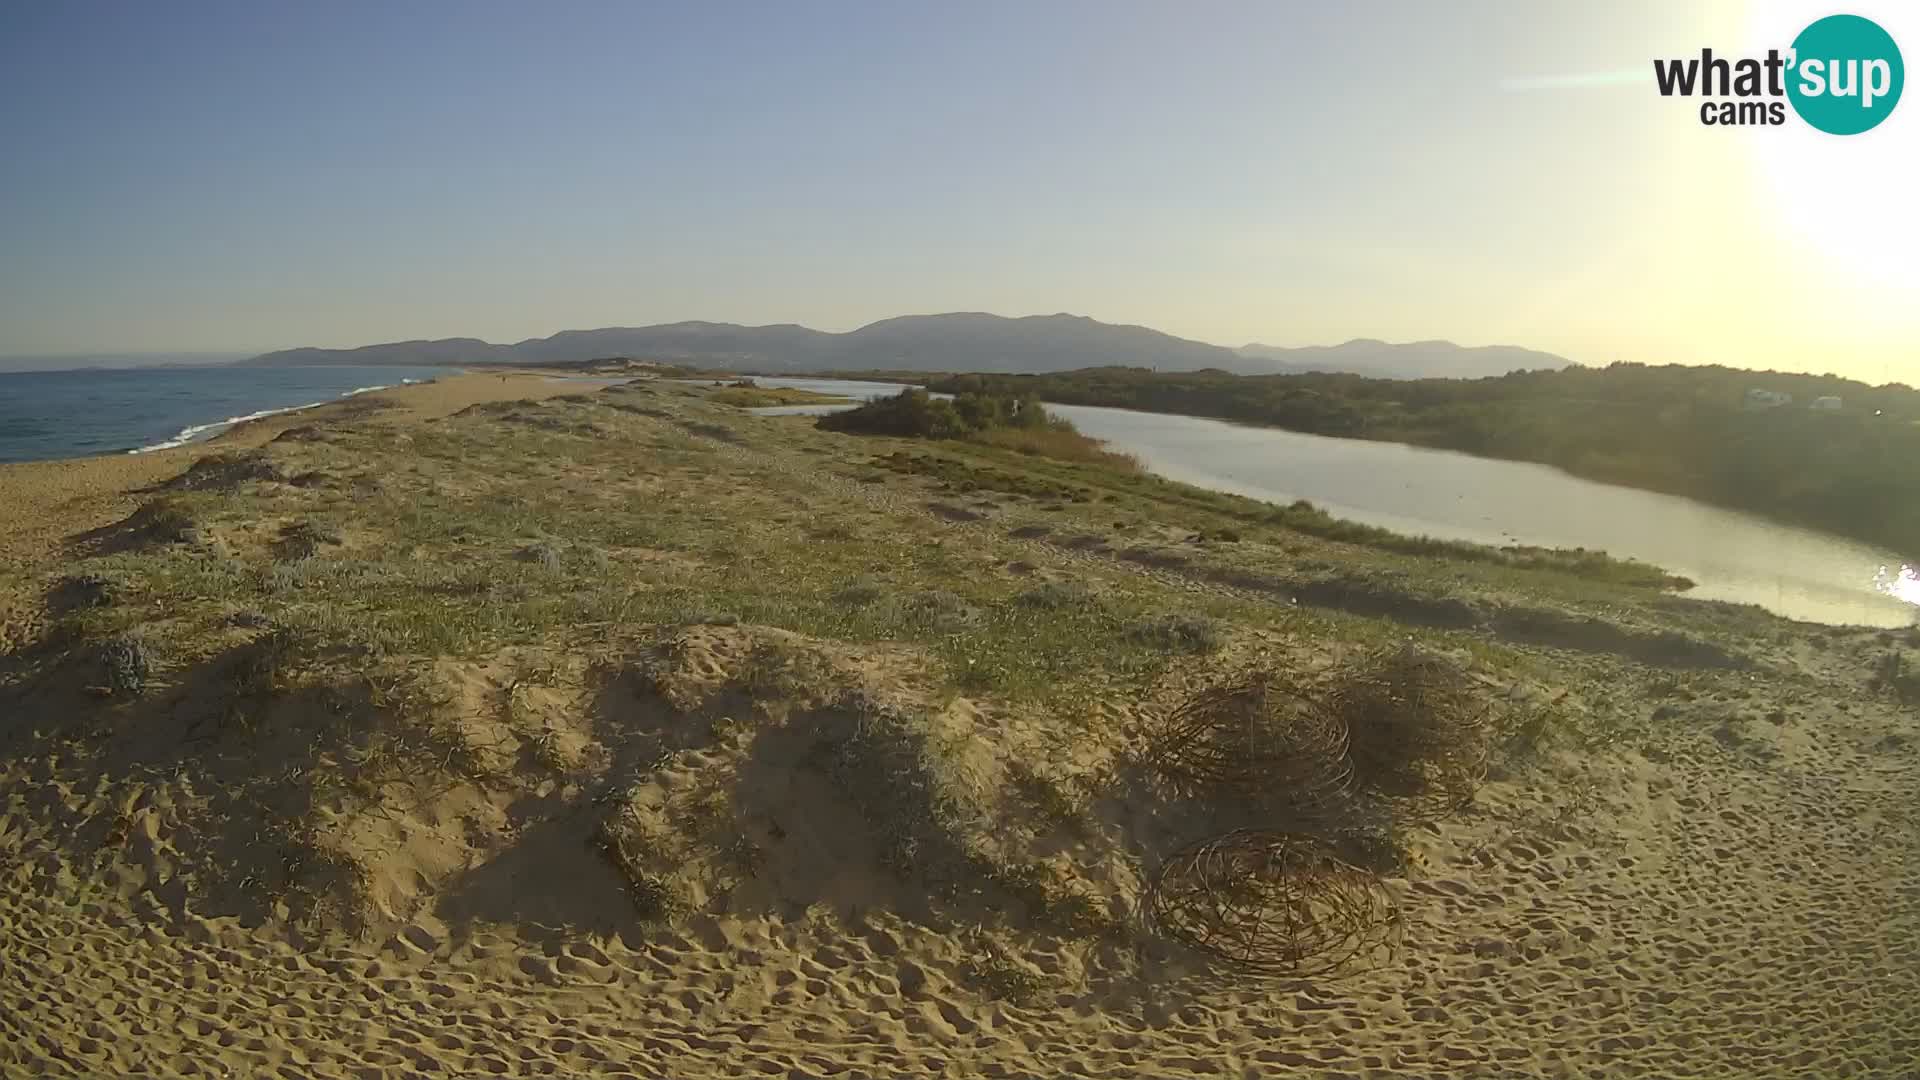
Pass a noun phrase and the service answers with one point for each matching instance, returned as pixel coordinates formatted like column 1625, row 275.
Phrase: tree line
column 1674, row 428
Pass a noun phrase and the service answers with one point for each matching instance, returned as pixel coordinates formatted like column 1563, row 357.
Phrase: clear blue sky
column 255, row 175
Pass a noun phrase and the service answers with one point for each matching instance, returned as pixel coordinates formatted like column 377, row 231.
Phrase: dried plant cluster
column 1404, row 735
column 1274, row 903
column 1257, row 742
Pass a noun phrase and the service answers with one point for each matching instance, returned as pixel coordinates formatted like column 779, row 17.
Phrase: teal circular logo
column 1847, row 74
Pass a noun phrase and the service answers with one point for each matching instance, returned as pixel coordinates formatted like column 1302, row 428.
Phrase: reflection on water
column 1735, row 557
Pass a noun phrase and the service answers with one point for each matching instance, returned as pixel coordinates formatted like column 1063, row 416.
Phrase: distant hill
column 961, row 341
column 1413, row 360
column 442, row 351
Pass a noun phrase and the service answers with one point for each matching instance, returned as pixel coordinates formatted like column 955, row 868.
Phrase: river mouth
column 1732, row 556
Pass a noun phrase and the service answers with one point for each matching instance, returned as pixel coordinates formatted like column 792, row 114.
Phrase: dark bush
column 161, row 521
column 914, row 413
column 124, row 664
column 303, row 539
column 226, row 472
column 544, row 555
column 82, row 591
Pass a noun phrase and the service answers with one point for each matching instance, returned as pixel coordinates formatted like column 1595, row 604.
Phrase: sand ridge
column 1735, row 894
column 1585, row 948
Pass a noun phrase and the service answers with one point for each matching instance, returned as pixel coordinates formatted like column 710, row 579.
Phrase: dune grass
column 497, row 533
column 1059, row 443
column 598, row 516
column 759, row 397
column 1090, row 477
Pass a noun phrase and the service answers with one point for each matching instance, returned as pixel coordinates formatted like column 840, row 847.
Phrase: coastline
column 194, row 434
column 391, row 762
column 47, row 501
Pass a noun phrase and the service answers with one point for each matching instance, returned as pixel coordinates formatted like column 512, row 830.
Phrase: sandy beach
column 617, row 840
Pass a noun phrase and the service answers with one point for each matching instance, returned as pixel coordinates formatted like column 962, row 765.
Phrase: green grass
column 1006, row 421
column 487, row 531
column 649, row 527
column 1061, row 444
column 988, row 468
column 758, row 397
column 1682, row 429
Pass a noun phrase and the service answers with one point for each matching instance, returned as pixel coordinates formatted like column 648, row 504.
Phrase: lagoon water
column 1734, row 556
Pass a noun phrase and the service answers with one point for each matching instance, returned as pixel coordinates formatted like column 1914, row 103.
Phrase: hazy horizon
column 124, row 359
column 232, row 179
column 135, row 357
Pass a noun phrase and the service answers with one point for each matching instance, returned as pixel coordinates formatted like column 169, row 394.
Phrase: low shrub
column 1056, row 596
column 125, row 664
column 80, row 592
column 1178, row 633
column 226, row 472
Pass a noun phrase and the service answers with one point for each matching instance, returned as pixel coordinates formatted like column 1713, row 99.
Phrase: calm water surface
column 73, row 413
column 1734, row 556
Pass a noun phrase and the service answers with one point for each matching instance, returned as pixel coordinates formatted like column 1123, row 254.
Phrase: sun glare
column 1848, row 197
column 1851, row 200
column 1904, row 585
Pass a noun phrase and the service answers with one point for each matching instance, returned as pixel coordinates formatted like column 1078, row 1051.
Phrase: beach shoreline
column 43, row 503
column 196, row 434
column 492, row 727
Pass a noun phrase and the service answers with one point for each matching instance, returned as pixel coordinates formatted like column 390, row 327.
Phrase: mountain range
column 960, row 341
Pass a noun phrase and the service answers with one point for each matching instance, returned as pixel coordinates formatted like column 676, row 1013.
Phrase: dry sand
column 1699, row 917
column 1742, row 902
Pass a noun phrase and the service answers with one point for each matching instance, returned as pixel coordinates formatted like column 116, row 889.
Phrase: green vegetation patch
column 969, row 466
column 1012, row 422
column 1688, row 430
column 747, row 394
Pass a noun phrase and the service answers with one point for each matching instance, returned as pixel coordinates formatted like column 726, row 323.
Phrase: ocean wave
column 198, row 432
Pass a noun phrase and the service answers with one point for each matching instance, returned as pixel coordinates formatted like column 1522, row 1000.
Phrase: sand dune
column 1718, row 876
column 1700, row 918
